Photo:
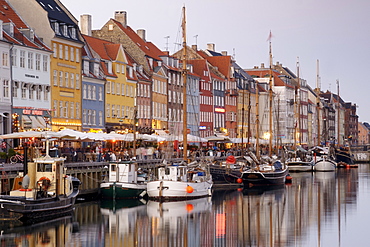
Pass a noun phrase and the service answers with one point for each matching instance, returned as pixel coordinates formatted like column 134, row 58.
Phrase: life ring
column 44, row 183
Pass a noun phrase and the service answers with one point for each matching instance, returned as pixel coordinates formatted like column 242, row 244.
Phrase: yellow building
column 59, row 30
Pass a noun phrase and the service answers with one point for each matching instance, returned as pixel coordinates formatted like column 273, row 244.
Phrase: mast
column 184, row 77
column 257, row 124
column 318, row 102
column 338, row 112
column 297, row 109
column 270, row 98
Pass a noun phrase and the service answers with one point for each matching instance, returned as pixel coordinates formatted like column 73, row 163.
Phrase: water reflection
column 317, row 209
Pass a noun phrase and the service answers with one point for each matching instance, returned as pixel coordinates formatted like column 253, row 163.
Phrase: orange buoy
column 189, row 207
column 239, row 180
column 189, row 189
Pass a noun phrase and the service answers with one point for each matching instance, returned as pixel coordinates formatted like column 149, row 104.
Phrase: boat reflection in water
column 179, row 223
column 57, row 232
column 317, row 209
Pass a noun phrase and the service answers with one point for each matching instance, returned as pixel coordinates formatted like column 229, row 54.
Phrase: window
column 89, row 117
column 77, row 55
column 78, row 110
column 61, row 109
column 113, row 111
column 113, row 88
column 72, row 111
column 5, row 59
column 22, row 59
column 32, row 90
column 93, row 117
column 55, row 50
column 84, row 116
column 117, row 68
column 38, row 61
column 94, row 92
column 100, row 118
column 72, row 81
column 110, row 27
column 77, row 81
column 14, row 57
column 6, row 88
column 108, row 110
column 123, row 69
column 55, row 107
column 66, row 53
column 45, row 63
column 118, row 87
column 72, row 57
column 38, row 92
column 61, row 78
column 73, row 32
column 24, row 91
column 55, row 78
column 108, row 87
column 65, row 30
column 61, row 51
column 66, row 76
column 56, row 28
column 89, row 91
column 15, row 89
column 46, row 92
column 123, row 89
column 100, row 93
column 66, row 109
column 84, row 91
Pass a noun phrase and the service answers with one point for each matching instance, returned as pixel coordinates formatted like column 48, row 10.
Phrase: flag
column 269, row 37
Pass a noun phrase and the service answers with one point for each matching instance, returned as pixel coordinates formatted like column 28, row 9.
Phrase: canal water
column 316, row 209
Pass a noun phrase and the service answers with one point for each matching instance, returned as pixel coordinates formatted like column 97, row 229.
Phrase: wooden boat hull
column 300, row 166
column 222, row 175
column 177, row 190
column 325, row 165
column 25, row 210
column 258, row 178
column 119, row 190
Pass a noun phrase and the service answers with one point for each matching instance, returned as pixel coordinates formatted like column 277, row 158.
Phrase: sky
column 335, row 32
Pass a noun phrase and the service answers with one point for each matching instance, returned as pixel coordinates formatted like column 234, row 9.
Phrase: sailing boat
column 272, row 172
column 181, row 181
column 322, row 156
column 298, row 160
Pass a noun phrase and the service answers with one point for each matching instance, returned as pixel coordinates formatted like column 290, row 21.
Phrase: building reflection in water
column 305, row 213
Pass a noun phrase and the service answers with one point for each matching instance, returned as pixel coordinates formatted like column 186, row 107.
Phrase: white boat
column 180, row 182
column 123, row 181
column 297, row 165
column 325, row 164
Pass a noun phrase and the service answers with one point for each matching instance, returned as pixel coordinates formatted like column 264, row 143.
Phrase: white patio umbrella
column 191, row 138
column 30, row 134
column 217, row 138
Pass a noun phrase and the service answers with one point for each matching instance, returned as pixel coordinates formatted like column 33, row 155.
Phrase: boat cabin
column 125, row 171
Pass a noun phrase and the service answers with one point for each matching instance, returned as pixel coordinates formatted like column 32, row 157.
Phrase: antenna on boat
column 184, row 75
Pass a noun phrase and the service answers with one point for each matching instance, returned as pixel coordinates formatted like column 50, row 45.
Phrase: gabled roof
column 103, row 48
column 147, row 47
column 8, row 15
column 223, row 63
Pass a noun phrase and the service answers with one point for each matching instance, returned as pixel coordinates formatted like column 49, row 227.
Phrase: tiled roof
column 8, row 14
column 263, row 73
column 99, row 46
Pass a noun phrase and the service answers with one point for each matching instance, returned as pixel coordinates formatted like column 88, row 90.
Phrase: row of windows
column 120, row 89
column 65, row 52
column 206, row 86
column 89, row 117
column 66, row 79
column 175, row 78
column 144, row 90
column 160, row 86
column 118, row 111
column 89, row 92
column 29, row 60
column 206, row 100
column 175, row 97
column 66, row 109
column 143, row 111
column 206, row 116
column 159, row 110
column 175, row 115
column 230, row 100
column 29, row 91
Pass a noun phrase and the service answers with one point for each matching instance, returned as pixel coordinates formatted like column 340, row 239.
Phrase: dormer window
column 73, row 32
column 65, row 30
column 109, row 67
column 56, row 27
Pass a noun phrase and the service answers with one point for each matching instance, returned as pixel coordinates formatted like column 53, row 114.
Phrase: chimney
column 194, row 47
column 211, row 47
column 121, row 16
column 262, row 65
column 85, row 24
column 277, row 63
column 224, row 53
column 141, row 33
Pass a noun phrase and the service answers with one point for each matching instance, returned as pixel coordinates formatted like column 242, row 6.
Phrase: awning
column 36, row 123
column 26, row 122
